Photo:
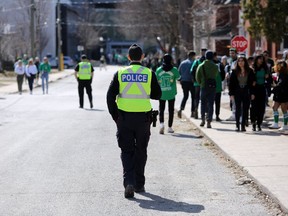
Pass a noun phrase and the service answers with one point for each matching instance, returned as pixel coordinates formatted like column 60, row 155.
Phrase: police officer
column 128, row 100
column 84, row 76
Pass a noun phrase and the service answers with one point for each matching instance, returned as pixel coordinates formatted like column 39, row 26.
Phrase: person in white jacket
column 31, row 71
column 20, row 71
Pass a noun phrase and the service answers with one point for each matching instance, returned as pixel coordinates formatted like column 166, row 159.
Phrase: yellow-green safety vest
column 84, row 72
column 134, row 89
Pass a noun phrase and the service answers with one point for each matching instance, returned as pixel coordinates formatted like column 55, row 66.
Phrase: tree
column 172, row 21
column 87, row 32
column 266, row 19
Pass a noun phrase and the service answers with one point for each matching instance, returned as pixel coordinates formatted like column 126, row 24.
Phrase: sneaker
column 170, row 130
column 129, row 191
column 139, row 189
column 259, row 128
column 283, row 128
column 91, row 105
column 243, row 129
column 161, row 131
column 192, row 114
column 179, row 114
column 274, row 126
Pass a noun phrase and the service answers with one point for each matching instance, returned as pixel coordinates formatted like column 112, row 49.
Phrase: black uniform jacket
column 113, row 91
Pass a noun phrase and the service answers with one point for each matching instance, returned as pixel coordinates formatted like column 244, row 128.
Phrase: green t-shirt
column 167, row 81
column 260, row 77
column 45, row 67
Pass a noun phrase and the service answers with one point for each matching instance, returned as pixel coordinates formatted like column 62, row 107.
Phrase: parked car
column 68, row 62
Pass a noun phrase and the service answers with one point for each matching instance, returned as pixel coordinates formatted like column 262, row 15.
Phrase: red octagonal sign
column 240, row 43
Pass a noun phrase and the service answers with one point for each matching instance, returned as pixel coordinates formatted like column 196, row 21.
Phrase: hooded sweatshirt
column 167, row 75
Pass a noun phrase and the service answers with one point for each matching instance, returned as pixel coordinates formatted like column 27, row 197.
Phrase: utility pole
column 32, row 28
column 59, row 36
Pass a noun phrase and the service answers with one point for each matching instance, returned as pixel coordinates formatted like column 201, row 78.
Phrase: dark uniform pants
column 133, row 133
column 87, row 85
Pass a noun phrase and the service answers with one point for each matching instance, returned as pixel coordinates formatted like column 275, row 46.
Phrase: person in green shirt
column 193, row 70
column 258, row 103
column 207, row 71
column 167, row 75
column 45, row 69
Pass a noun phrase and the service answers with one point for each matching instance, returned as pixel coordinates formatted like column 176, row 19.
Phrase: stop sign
column 240, row 43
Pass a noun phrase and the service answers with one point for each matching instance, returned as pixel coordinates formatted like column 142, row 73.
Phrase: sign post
column 240, row 43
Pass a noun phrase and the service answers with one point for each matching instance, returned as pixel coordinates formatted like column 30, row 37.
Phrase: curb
column 260, row 186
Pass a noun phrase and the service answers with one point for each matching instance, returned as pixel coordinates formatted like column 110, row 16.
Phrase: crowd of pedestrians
column 249, row 82
column 31, row 70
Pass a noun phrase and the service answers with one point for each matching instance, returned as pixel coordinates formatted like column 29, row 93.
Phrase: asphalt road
column 57, row 159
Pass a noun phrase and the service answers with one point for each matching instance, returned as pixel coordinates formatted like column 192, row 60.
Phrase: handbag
column 209, row 83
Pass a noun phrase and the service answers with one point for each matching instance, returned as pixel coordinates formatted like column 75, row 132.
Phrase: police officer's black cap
column 135, row 52
column 204, row 49
column 83, row 56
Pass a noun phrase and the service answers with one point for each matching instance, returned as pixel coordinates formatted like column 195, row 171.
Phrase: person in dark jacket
column 128, row 100
column 186, row 82
column 242, row 82
column 220, row 77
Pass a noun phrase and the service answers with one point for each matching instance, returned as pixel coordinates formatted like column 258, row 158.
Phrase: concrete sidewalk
column 12, row 88
column 264, row 155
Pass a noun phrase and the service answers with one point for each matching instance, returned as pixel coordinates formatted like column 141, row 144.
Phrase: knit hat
column 135, row 52
column 209, row 55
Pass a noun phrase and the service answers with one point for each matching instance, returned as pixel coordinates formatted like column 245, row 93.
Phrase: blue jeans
column 207, row 102
column 45, row 78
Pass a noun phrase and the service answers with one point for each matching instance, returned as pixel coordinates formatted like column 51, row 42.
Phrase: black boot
column 254, row 127
column 237, row 127
column 243, row 128
column 202, row 123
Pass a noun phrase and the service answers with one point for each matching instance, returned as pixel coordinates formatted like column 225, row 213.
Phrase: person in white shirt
column 31, row 71
column 20, row 71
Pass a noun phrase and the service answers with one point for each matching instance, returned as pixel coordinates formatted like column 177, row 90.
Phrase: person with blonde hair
column 280, row 95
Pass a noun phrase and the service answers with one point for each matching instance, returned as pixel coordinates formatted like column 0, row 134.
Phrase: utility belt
column 123, row 113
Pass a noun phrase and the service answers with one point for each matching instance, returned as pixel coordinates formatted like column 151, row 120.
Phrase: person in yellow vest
column 128, row 100
column 84, row 75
